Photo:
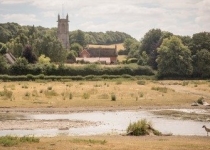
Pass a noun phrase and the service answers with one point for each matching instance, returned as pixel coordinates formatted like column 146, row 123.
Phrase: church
column 63, row 31
column 105, row 54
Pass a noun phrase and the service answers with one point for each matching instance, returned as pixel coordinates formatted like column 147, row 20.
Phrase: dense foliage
column 171, row 55
column 174, row 58
column 169, row 62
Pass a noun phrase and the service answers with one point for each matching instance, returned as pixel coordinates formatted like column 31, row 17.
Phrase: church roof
column 102, row 52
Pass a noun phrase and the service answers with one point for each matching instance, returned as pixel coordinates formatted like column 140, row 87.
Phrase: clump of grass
column 34, row 93
column 70, row 96
column 9, row 141
column 184, row 83
column 141, row 82
column 97, row 85
column 200, row 100
column 86, row 96
column 103, row 96
column 160, row 89
column 49, row 88
column 24, row 86
column 141, row 127
column 27, row 94
column 141, row 94
column 50, row 93
column 118, row 82
column 89, row 141
column 113, row 97
column 6, row 93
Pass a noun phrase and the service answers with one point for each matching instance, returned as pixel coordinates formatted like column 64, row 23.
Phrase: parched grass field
column 115, row 94
column 116, row 143
column 36, row 94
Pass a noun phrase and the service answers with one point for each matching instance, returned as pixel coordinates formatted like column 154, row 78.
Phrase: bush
column 200, row 100
column 141, row 127
column 141, row 82
column 86, row 96
column 160, row 89
column 113, row 97
column 9, row 141
column 70, row 96
column 6, row 93
column 138, row 128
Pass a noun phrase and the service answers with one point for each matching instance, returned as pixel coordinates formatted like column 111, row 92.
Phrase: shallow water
column 110, row 122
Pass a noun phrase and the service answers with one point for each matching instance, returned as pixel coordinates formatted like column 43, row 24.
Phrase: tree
column 19, row 67
column 200, row 41
column 150, row 42
column 131, row 48
column 71, row 57
column 174, row 59
column 3, row 48
column 3, row 65
column 29, row 54
column 43, row 59
column 76, row 47
column 201, row 64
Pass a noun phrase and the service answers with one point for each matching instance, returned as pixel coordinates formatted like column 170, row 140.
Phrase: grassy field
column 100, row 93
column 117, row 143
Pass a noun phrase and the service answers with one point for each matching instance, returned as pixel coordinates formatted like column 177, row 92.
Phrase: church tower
column 63, row 31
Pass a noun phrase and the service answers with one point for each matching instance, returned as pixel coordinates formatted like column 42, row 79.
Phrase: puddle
column 107, row 122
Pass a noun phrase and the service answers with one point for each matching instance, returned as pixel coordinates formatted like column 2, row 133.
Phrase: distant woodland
column 170, row 55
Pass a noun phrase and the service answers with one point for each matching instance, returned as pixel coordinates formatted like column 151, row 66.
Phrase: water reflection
column 111, row 123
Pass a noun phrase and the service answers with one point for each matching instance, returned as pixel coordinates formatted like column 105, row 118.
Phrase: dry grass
column 118, row 143
column 128, row 93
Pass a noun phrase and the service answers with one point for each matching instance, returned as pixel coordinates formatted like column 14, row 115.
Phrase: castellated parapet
column 63, row 31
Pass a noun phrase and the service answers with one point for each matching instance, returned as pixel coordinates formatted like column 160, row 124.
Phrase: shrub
column 6, row 93
column 70, row 96
column 86, row 96
column 200, row 100
column 9, row 141
column 49, row 88
column 160, row 89
column 113, row 97
column 141, row 82
column 141, row 127
column 103, row 96
column 50, row 93
column 27, row 94
column 119, row 82
column 138, row 128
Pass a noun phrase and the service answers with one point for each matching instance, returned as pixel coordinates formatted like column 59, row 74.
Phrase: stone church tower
column 63, row 31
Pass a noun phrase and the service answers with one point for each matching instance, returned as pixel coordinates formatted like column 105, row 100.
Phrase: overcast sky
column 135, row 17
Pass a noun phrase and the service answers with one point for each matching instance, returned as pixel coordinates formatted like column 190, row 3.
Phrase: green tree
column 150, row 42
column 174, row 59
column 43, row 59
column 200, row 41
column 3, row 48
column 201, row 64
column 76, row 47
column 19, row 67
column 131, row 48
column 71, row 57
column 29, row 54
column 3, row 65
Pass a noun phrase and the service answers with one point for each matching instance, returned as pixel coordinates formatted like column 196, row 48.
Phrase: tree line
column 44, row 41
column 172, row 55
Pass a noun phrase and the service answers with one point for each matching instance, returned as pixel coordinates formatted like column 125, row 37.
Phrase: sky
column 134, row 17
